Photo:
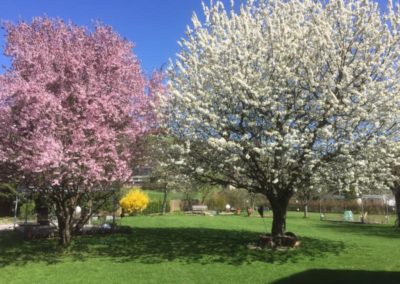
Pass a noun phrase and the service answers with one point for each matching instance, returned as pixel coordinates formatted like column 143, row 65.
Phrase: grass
column 199, row 249
column 6, row 220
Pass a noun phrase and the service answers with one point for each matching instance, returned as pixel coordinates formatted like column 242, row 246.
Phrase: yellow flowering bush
column 134, row 201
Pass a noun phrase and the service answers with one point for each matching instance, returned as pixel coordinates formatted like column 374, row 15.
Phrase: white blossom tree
column 271, row 94
column 384, row 169
column 394, row 178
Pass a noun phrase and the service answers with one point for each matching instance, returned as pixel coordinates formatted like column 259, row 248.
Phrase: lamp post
column 19, row 191
column 15, row 211
column 361, row 203
column 78, row 211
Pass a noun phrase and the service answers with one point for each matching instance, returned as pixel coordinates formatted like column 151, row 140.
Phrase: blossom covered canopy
column 273, row 93
column 72, row 104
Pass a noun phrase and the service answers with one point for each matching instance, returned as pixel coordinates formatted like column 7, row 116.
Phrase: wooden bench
column 199, row 209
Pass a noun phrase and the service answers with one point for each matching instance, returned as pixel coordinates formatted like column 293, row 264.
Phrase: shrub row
column 154, row 207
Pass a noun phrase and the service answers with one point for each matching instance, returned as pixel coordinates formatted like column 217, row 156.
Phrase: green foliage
column 27, row 210
column 155, row 207
column 216, row 201
column 7, row 198
column 238, row 198
column 108, row 201
column 261, row 200
column 7, row 191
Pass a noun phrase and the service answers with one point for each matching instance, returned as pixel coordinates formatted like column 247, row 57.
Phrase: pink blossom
column 73, row 104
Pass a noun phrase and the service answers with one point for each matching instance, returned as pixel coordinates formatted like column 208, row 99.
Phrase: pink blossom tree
column 72, row 107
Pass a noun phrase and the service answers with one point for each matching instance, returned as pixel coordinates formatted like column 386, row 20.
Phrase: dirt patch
column 267, row 241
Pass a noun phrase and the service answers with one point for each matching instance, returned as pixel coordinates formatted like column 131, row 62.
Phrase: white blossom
column 287, row 93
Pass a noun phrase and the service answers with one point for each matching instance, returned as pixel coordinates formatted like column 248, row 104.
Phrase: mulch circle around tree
column 267, row 241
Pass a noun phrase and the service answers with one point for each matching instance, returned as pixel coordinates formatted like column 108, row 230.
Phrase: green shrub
column 27, row 210
column 155, row 207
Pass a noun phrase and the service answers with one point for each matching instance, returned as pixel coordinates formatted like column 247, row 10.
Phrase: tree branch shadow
column 14, row 250
column 328, row 276
column 155, row 245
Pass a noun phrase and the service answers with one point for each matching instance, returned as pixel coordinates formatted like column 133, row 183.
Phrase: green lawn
column 6, row 220
column 158, row 195
column 199, row 249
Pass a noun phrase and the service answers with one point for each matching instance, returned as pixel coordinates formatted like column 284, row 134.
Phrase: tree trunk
column 306, row 210
column 279, row 208
column 64, row 228
column 64, row 211
column 396, row 193
column 252, row 200
column 65, row 207
column 164, row 203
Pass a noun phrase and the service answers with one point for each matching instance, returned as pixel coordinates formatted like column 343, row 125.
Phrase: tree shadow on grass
column 363, row 229
column 155, row 245
column 327, row 276
column 17, row 251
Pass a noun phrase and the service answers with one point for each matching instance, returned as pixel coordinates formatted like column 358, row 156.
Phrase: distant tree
column 7, row 191
column 267, row 96
column 72, row 106
column 162, row 156
column 8, row 194
column 165, row 157
column 305, row 195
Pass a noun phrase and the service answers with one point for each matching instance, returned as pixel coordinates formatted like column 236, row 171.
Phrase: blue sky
column 153, row 25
